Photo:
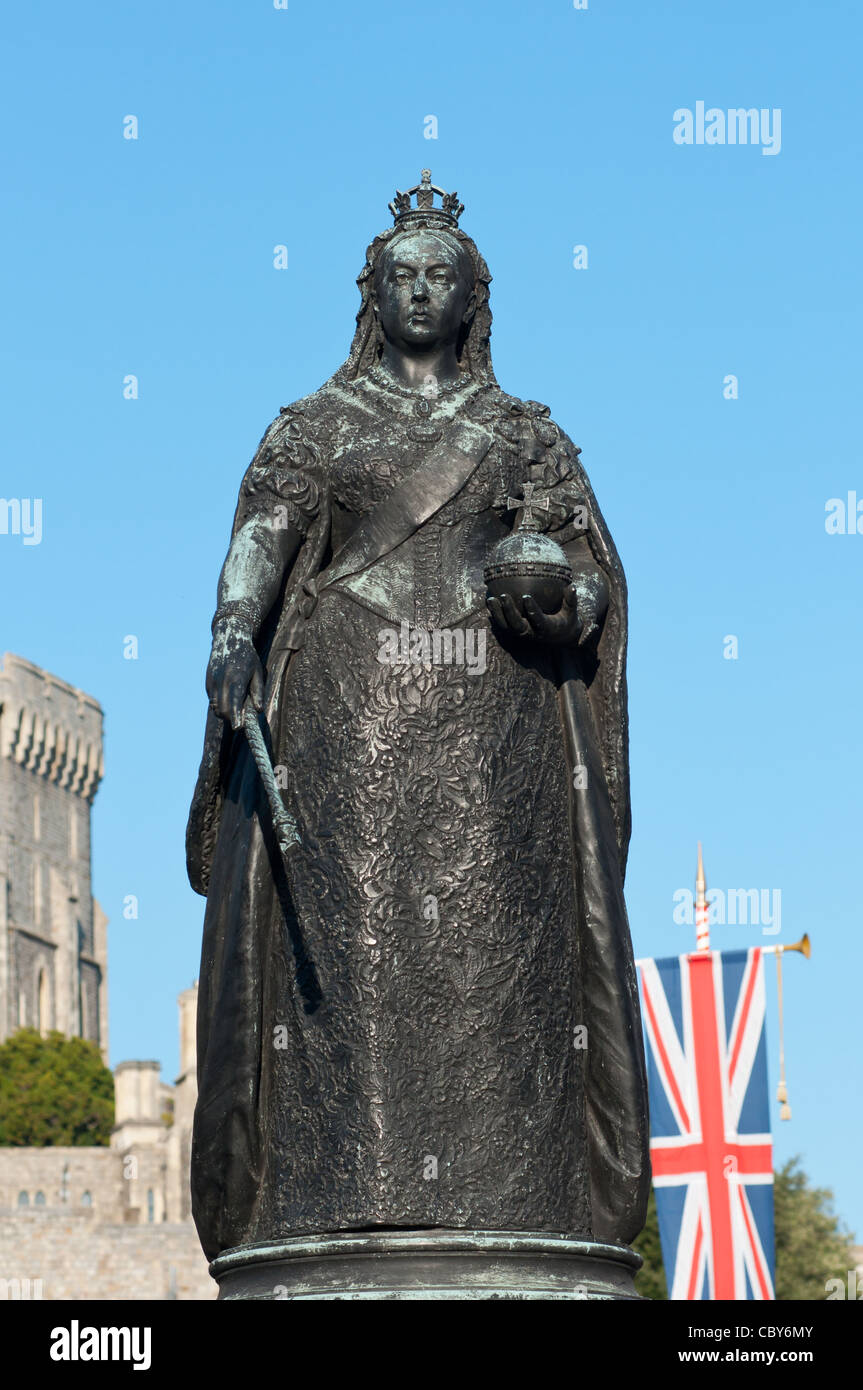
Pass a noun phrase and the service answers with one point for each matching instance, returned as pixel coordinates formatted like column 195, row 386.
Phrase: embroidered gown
column 392, row 1023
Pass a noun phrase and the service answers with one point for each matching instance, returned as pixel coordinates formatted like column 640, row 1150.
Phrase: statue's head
column 423, row 292
column 424, row 284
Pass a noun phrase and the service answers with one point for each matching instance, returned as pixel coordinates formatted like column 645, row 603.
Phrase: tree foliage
column 53, row 1091
column 812, row 1245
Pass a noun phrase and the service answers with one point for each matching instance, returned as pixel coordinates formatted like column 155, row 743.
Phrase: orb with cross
column 528, row 563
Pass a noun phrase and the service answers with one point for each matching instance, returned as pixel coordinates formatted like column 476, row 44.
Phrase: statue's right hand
column 233, row 674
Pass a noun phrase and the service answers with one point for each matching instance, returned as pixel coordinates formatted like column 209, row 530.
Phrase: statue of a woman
column 425, row 1015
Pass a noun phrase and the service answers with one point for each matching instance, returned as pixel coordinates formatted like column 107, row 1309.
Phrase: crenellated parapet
column 50, row 728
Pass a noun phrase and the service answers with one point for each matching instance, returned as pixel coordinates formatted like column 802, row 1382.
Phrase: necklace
column 421, row 429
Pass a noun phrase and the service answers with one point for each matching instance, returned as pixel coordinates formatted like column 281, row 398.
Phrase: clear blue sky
column 155, row 257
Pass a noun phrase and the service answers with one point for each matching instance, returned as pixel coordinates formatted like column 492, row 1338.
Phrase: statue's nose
column 420, row 289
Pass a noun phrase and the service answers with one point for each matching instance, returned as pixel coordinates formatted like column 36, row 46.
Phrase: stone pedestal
column 428, row 1264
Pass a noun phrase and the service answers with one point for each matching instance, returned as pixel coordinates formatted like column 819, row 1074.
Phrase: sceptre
column 284, row 825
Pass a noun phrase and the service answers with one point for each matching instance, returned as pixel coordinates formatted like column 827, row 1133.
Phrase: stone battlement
column 50, row 727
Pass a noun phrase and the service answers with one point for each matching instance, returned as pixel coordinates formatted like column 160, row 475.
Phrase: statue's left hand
column 579, row 620
column 529, row 620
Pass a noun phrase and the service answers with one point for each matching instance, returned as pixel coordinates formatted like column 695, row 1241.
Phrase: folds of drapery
column 594, row 728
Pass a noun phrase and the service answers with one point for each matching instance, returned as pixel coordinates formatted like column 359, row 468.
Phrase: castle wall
column 64, row 1177
column 72, row 1255
column 103, row 1231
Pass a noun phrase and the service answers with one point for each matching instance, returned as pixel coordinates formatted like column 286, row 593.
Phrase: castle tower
column 53, row 937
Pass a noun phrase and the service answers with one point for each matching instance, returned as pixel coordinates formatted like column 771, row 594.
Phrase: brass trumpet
column 804, row 946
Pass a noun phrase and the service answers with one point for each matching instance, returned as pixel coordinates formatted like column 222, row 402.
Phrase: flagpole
column 805, row 949
column 702, row 948
column 804, row 946
column 702, row 923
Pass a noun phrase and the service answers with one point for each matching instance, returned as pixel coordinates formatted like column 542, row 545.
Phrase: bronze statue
column 418, row 1012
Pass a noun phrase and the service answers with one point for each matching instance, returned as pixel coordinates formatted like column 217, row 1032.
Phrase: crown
column 425, row 212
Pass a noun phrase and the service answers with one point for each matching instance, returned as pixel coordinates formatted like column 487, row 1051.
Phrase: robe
column 427, row 1015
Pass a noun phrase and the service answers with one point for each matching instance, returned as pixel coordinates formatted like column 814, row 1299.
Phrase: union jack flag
column 710, row 1144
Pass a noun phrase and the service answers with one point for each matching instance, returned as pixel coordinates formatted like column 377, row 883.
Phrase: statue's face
column 423, row 292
